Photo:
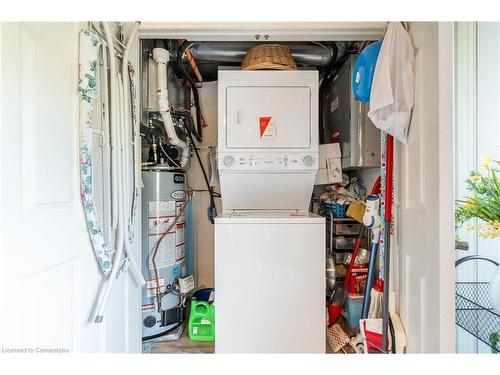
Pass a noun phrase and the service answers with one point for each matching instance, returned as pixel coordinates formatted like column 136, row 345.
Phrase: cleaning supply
column 204, row 294
column 339, row 295
column 371, row 220
column 372, row 337
column 359, row 275
column 201, row 325
column 354, row 307
column 376, row 299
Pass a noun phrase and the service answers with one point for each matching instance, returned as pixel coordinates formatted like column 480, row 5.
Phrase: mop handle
column 387, row 239
column 388, row 179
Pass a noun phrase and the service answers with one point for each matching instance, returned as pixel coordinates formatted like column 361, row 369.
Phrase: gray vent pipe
column 233, row 52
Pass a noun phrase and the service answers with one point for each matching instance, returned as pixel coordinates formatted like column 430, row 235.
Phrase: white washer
column 270, row 284
column 269, row 251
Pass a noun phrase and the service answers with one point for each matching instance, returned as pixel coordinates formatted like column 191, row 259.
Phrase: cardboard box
column 330, row 165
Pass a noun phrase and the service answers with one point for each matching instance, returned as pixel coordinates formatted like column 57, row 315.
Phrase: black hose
column 212, row 208
column 170, row 330
column 198, row 133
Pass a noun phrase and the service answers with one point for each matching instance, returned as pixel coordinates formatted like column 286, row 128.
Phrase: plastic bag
column 392, row 94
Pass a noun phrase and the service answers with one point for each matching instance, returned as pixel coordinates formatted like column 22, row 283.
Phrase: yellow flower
column 475, row 178
column 489, row 230
column 469, row 204
column 486, row 161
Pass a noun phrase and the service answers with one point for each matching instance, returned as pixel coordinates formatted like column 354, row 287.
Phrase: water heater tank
column 162, row 200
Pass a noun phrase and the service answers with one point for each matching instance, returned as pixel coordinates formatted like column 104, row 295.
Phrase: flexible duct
column 233, row 52
column 161, row 58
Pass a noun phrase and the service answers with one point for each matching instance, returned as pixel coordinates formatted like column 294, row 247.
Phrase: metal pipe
column 232, row 52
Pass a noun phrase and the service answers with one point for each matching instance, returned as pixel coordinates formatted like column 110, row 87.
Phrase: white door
column 424, row 248
column 48, row 275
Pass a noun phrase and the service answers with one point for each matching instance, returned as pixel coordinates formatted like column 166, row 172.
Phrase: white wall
column 203, row 230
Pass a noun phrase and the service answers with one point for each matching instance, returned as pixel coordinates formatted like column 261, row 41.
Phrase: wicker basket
column 269, row 56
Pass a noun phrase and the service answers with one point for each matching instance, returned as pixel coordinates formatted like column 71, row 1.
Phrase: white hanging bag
column 392, row 95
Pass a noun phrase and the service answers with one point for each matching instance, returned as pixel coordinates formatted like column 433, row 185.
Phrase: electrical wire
column 209, row 188
column 216, row 194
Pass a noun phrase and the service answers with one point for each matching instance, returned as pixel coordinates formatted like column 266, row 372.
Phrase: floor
column 185, row 346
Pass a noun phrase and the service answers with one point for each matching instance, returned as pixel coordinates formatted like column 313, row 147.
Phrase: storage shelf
column 474, row 312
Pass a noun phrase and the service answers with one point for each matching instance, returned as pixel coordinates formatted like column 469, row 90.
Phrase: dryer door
column 268, row 117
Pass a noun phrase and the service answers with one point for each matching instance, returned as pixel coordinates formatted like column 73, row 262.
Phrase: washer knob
column 308, row 161
column 228, row 161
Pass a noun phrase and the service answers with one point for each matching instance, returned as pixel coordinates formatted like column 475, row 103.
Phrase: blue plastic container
column 353, row 308
column 364, row 68
column 338, row 210
column 203, row 295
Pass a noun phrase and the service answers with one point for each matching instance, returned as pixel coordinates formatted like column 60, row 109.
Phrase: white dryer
column 269, row 250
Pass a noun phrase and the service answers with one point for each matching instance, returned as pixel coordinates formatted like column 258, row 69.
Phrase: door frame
column 267, row 31
column 446, row 188
column 348, row 31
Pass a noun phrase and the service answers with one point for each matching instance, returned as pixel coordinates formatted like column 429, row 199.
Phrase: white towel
column 391, row 98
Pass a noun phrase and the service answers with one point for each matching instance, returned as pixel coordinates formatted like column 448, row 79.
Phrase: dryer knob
column 308, row 161
column 228, row 161
column 149, row 321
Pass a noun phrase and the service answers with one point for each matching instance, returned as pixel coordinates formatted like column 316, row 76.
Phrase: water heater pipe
column 161, row 58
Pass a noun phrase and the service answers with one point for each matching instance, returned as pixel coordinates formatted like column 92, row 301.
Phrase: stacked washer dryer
column 269, row 250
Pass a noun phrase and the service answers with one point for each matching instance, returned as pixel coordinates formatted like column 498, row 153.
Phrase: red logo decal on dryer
column 267, row 128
